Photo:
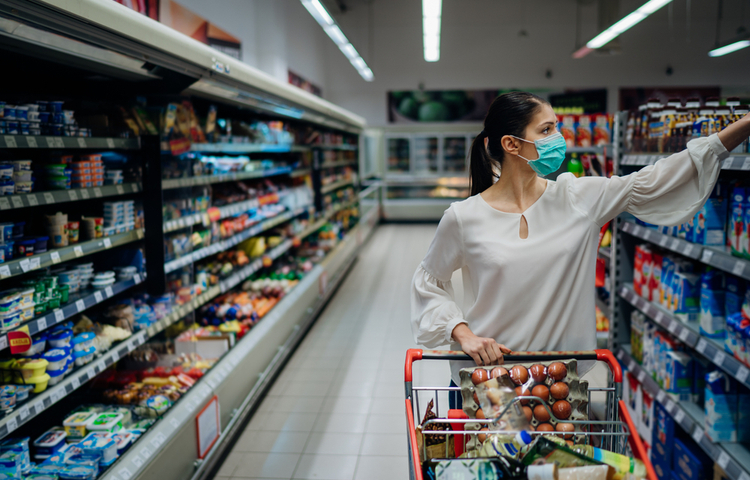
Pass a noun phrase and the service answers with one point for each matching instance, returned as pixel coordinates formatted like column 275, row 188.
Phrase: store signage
column 19, row 341
column 208, row 426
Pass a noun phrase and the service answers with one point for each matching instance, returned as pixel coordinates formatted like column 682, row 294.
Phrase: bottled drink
column 621, row 463
column 496, row 468
column 505, row 445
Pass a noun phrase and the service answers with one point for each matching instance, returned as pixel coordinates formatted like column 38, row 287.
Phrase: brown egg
column 557, row 371
column 541, row 391
column 562, row 409
column 527, row 411
column 541, row 413
column 565, row 427
column 476, row 399
column 479, row 375
column 522, row 391
column 519, row 375
column 480, row 414
column 559, row 390
column 483, row 436
column 538, row 373
column 498, row 372
column 545, row 427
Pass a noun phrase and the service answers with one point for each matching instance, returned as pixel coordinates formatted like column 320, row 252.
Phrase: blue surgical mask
column 551, row 152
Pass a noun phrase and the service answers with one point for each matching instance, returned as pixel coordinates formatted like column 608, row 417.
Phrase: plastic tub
column 27, row 312
column 37, row 345
column 6, row 231
column 10, row 319
column 110, row 422
column 8, row 397
column 40, row 383
column 26, row 296
column 50, row 442
column 9, row 301
column 100, row 443
column 6, row 169
column 104, row 275
column 79, row 472
column 40, row 307
column 22, row 392
column 57, row 358
column 25, row 247
column 60, row 337
column 70, row 276
column 56, row 376
column 21, row 165
column 76, row 425
column 83, row 358
column 13, row 462
column 32, row 368
column 83, row 342
column 123, row 441
column 103, row 283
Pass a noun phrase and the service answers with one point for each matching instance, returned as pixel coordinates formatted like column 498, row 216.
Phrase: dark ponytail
column 509, row 114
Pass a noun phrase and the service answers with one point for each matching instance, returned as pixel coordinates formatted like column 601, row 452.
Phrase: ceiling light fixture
column 732, row 47
column 321, row 15
column 621, row 26
column 432, row 11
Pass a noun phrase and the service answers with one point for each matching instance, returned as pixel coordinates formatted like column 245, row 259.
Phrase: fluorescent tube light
column 432, row 11
column 732, row 47
column 325, row 20
column 621, row 26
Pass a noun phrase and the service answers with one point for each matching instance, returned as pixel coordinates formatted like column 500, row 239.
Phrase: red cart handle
column 602, row 355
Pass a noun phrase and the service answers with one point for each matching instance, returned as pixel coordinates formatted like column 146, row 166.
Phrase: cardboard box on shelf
column 690, row 462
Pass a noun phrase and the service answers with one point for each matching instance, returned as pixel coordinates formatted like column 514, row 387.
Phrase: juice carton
column 710, row 219
column 687, row 296
column 737, row 235
column 654, row 280
column 568, row 129
column 712, row 316
column 721, row 407
column 602, row 130
column 647, row 415
column 667, row 272
column 731, row 342
column 584, row 131
column 641, row 269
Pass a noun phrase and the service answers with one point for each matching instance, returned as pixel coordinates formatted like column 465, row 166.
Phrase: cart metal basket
column 615, row 433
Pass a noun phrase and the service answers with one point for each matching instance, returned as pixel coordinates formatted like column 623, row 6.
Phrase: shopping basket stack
column 545, row 420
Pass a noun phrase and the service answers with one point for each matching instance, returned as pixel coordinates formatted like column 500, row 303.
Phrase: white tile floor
column 337, row 409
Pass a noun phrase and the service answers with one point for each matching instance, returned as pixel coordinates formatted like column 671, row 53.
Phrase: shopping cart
column 616, row 433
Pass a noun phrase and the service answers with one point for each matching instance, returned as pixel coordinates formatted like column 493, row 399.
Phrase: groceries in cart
column 528, row 420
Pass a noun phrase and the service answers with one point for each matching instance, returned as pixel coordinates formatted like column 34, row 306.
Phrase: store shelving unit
column 733, row 458
column 112, row 41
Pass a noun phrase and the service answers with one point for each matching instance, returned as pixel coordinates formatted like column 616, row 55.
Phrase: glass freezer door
column 425, row 155
column 454, row 154
column 398, row 155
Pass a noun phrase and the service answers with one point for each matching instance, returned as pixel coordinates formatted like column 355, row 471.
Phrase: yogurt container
column 123, row 441
column 84, row 357
column 27, row 313
column 21, row 165
column 32, row 367
column 26, row 296
column 60, row 338
column 83, row 342
column 10, row 301
column 56, row 376
column 79, row 472
column 100, row 443
column 76, row 425
column 107, row 422
column 50, row 442
column 6, row 231
column 13, row 462
column 10, row 320
column 22, row 392
column 8, row 397
column 39, row 382
column 57, row 358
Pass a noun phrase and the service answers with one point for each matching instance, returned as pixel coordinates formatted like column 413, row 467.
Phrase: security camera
column 670, row 71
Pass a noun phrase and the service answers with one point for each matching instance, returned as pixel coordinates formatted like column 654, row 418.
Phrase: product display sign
column 208, row 426
column 19, row 341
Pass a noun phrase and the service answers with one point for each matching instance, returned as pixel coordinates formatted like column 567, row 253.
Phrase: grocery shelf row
column 172, row 183
column 71, row 252
column 733, row 458
column 77, row 303
column 344, row 163
column 239, row 148
column 733, row 162
column 76, row 143
column 689, row 334
column 336, row 185
column 25, row 200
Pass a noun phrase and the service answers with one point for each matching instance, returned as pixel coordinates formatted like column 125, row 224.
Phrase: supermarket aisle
column 337, row 409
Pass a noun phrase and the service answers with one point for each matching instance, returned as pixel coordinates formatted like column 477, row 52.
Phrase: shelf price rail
column 688, row 334
column 47, row 142
column 27, row 200
column 171, row 183
column 690, row 418
column 733, row 162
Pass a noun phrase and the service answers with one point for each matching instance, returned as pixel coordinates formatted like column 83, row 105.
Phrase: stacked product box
column 119, row 217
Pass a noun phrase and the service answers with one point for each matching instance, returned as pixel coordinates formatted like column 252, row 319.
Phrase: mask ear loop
column 533, row 143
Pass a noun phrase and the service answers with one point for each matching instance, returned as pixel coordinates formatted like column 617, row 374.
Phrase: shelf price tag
column 739, row 268
column 684, row 334
column 108, row 291
column 719, row 358
column 697, row 434
column 4, row 203
column 107, row 243
column 55, row 256
column 75, row 382
column 723, row 460
column 97, row 192
column 81, row 142
column 25, row 265
column 98, row 296
column 85, row 194
column 670, row 406
column 659, row 317
column 48, row 198
column 59, row 315
column 35, row 263
column 17, row 202
column 701, row 346
column 32, row 199
column 742, row 373
column 12, row 424
column 23, row 413
column 673, row 325
column 660, row 396
column 78, row 251
column 50, row 142
column 80, row 305
column 120, row 190
column 59, row 142
column 746, row 164
column 679, row 416
column 707, row 255
column 31, row 142
column 4, row 271
column 110, row 143
column 3, row 342
column 641, row 376
column 73, row 195
column 688, row 250
column 41, row 324
column 663, row 241
column 10, row 141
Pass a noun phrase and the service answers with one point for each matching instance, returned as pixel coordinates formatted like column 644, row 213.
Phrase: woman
column 527, row 246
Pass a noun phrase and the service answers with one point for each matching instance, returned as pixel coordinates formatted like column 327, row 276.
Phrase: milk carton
column 737, row 235
column 712, row 315
column 721, row 407
column 686, row 298
column 678, row 381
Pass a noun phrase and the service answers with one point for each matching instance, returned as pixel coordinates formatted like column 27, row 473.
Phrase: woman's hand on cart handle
column 484, row 351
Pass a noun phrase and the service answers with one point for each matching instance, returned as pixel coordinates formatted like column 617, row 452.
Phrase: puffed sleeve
column 434, row 312
column 669, row 192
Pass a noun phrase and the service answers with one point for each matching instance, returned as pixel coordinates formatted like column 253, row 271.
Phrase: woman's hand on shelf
column 484, row 351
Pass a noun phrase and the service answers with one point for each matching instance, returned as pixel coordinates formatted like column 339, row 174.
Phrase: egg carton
column 527, row 379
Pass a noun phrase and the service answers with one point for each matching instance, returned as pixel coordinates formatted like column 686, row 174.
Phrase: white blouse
column 537, row 294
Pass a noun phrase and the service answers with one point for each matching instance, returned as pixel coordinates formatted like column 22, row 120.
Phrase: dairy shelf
column 336, row 185
column 25, row 200
column 689, row 334
column 733, row 162
column 64, row 254
column 246, row 148
column 300, row 172
column 733, row 458
column 78, row 303
column 168, row 184
column 47, row 142
column 344, row 163
column 223, row 245
column 335, row 147
column 717, row 257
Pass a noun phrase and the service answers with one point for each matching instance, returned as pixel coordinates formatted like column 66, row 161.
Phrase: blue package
column 710, row 220
column 736, row 225
column 735, row 295
column 690, row 462
column 663, row 437
column 678, row 381
column 712, row 316
column 721, row 407
column 686, row 296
